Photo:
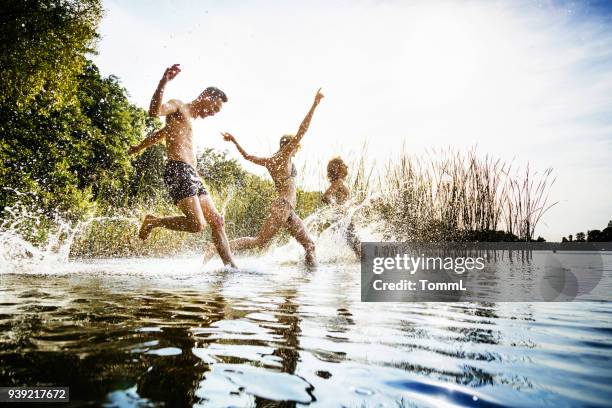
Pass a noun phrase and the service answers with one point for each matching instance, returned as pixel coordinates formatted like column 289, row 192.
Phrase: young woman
column 283, row 172
column 339, row 193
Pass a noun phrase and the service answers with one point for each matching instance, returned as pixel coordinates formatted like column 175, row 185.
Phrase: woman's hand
column 318, row 96
column 228, row 137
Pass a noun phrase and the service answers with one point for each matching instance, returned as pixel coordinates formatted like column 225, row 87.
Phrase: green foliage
column 147, row 184
column 488, row 236
column 113, row 124
column 220, row 172
column 307, row 202
column 249, row 206
column 75, row 156
column 35, row 153
column 43, row 48
column 44, row 133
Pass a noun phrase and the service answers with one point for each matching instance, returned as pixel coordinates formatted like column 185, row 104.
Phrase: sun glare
column 442, row 58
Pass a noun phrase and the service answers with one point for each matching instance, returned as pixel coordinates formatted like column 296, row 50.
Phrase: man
column 181, row 179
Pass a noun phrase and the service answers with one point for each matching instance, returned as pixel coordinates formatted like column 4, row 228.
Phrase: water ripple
column 281, row 336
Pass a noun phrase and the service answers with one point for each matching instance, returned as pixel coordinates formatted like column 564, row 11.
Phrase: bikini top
column 293, row 174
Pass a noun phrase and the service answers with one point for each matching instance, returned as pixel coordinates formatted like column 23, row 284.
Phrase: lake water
column 148, row 332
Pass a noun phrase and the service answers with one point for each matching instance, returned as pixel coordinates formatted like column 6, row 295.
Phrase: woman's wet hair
column 336, row 169
column 285, row 139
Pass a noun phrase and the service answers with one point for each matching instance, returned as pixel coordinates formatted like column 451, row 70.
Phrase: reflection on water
column 154, row 332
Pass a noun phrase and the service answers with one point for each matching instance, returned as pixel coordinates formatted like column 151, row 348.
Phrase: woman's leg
column 278, row 214
column 297, row 229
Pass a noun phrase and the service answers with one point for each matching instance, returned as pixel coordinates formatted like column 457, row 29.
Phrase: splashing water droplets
column 29, row 245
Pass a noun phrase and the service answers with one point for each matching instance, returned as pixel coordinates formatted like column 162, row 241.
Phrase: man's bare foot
column 147, row 226
column 310, row 259
column 209, row 252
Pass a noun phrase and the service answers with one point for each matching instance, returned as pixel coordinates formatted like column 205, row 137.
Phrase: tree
column 218, row 171
column 43, row 48
column 594, row 235
column 76, row 156
column 580, row 237
column 42, row 53
column 111, row 124
column 147, row 184
column 606, row 234
column 64, row 129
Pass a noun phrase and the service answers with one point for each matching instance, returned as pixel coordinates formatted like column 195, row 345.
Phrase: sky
column 527, row 82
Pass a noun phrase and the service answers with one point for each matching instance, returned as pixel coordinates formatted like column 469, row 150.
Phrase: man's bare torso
column 179, row 134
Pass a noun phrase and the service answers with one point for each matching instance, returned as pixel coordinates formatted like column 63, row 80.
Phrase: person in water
column 180, row 176
column 283, row 172
column 339, row 193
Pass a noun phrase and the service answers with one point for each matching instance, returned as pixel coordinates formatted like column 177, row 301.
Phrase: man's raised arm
column 156, row 108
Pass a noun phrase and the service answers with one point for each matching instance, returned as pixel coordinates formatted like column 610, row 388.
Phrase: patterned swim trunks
column 182, row 181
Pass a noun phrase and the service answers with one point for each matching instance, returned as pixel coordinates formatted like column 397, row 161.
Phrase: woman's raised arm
column 257, row 160
column 295, row 141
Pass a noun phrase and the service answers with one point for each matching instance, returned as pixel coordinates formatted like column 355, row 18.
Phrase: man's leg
column 192, row 221
column 297, row 229
column 217, row 226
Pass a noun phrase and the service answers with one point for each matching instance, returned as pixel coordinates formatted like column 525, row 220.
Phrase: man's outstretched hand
column 171, row 72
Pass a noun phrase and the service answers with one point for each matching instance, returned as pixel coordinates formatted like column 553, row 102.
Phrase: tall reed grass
column 453, row 196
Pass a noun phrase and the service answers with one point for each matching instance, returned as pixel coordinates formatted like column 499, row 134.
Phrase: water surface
column 148, row 332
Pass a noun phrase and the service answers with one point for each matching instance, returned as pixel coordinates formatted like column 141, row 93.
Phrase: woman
column 339, row 193
column 282, row 211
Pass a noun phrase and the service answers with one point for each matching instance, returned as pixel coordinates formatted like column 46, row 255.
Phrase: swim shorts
column 182, row 181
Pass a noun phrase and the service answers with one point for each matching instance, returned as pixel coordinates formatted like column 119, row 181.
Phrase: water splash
column 30, row 242
column 331, row 228
column 28, row 245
